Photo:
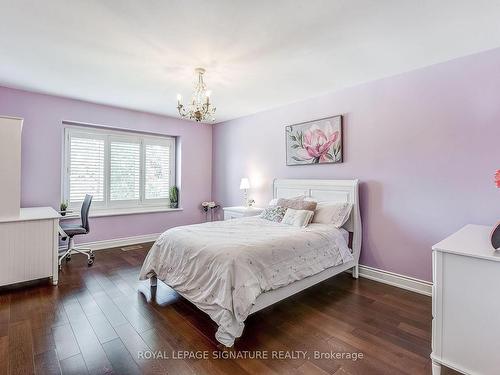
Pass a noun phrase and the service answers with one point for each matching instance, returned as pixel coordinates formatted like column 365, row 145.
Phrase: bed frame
column 320, row 190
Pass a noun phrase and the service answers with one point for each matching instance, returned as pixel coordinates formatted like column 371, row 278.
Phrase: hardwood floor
column 97, row 322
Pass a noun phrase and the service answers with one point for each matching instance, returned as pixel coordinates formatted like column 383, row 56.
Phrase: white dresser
column 29, row 246
column 466, row 303
column 241, row 211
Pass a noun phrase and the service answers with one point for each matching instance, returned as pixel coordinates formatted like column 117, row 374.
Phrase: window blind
column 125, row 172
column 157, row 170
column 86, row 168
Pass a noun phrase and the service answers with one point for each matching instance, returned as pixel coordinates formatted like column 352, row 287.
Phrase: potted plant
column 174, row 197
column 63, row 207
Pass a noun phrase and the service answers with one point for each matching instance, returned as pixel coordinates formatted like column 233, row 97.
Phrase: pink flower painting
column 315, row 142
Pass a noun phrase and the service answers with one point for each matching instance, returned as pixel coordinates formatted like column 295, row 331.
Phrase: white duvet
column 222, row 267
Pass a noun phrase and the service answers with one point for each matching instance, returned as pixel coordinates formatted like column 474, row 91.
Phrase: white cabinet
column 10, row 166
column 241, row 211
column 29, row 246
column 466, row 303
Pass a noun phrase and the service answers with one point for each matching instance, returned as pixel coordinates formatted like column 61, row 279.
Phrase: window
column 124, row 171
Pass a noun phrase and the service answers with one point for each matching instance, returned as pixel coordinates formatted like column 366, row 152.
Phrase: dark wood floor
column 99, row 319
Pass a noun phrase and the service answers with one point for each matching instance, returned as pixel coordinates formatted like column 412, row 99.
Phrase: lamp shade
column 244, row 184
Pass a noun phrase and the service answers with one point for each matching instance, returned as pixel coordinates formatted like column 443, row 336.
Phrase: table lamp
column 245, row 185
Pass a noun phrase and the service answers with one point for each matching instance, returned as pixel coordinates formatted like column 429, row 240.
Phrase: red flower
column 497, row 178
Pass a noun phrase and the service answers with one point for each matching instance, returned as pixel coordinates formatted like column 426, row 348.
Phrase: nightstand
column 240, row 211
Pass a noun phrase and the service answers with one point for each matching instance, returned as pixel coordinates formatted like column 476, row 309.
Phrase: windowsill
column 122, row 211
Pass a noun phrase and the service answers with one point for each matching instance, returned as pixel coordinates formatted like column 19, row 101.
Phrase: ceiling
column 258, row 54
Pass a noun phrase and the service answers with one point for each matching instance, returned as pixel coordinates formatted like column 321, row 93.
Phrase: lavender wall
column 424, row 144
column 42, row 150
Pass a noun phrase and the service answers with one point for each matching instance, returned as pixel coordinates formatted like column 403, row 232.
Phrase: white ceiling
column 258, row 54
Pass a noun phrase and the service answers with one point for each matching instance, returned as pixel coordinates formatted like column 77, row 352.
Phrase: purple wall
column 42, row 155
column 424, row 144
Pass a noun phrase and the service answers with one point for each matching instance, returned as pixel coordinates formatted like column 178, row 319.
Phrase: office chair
column 72, row 230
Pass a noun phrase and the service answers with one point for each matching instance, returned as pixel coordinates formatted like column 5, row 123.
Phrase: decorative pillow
column 297, row 218
column 297, row 204
column 332, row 213
column 274, row 213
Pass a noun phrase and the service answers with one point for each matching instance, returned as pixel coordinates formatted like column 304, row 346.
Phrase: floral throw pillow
column 274, row 213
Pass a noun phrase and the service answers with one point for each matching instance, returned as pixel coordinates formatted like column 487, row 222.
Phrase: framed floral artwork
column 314, row 142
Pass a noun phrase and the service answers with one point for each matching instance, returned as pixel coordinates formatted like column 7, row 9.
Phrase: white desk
column 29, row 246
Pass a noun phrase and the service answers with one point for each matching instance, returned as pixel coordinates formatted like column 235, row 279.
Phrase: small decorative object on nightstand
column 245, row 185
column 240, row 211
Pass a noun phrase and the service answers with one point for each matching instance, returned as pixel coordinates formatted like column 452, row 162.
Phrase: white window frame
column 108, row 207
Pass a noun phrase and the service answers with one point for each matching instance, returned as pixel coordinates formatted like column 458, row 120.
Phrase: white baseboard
column 386, row 277
column 120, row 242
column 395, row 279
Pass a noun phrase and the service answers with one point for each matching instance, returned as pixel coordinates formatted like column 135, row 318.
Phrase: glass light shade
column 245, row 183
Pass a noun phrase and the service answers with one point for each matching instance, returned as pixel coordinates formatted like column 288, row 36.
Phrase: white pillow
column 273, row 202
column 297, row 218
column 332, row 213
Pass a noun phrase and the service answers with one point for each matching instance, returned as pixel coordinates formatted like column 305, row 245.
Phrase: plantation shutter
column 124, row 170
column 86, row 167
column 157, row 170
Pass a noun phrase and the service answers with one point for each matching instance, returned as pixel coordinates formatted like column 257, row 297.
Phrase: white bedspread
column 223, row 266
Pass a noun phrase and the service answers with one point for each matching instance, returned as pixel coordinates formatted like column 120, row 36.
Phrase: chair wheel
column 68, row 257
column 90, row 262
column 60, row 267
column 92, row 255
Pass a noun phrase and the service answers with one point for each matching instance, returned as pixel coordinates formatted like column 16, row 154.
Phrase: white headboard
column 329, row 191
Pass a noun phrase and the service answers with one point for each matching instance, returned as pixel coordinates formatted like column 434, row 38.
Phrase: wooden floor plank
column 136, row 345
column 65, row 341
column 47, row 363
column 4, row 354
column 74, row 366
column 110, row 310
column 102, row 327
column 4, row 314
column 90, row 347
column 120, row 358
column 21, row 357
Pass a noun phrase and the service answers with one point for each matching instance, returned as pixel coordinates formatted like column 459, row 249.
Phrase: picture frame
column 315, row 142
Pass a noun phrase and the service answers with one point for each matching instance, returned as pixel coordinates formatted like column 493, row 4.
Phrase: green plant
column 174, row 194
column 63, row 206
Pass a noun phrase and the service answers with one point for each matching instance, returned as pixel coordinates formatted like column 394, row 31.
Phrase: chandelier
column 200, row 108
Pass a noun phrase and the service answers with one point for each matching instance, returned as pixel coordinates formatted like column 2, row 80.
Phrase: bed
column 231, row 269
